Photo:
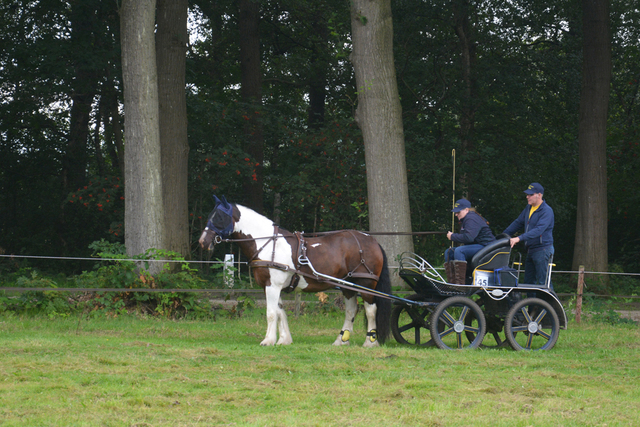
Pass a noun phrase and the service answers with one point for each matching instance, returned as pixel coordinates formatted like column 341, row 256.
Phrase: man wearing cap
column 537, row 222
column 474, row 235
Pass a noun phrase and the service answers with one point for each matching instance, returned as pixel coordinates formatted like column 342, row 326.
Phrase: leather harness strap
column 259, row 263
column 301, row 250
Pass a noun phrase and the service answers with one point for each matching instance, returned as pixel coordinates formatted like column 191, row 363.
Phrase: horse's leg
column 371, row 340
column 272, row 295
column 351, row 308
column 285, row 334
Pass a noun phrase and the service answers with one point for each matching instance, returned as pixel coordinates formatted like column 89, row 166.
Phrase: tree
column 251, row 93
column 591, row 222
column 171, row 48
column 83, row 36
column 468, row 101
column 379, row 116
column 144, row 217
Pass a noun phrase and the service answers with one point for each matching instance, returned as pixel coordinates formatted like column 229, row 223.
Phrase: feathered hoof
column 372, row 339
column 368, row 343
column 343, row 338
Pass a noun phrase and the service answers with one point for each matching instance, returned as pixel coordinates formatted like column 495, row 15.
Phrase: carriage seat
column 495, row 255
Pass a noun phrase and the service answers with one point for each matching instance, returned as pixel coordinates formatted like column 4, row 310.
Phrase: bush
column 51, row 303
column 119, row 272
column 621, row 284
column 122, row 273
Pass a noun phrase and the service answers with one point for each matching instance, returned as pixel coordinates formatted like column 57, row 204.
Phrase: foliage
column 50, row 303
column 129, row 273
column 623, row 284
column 599, row 310
column 105, row 197
column 526, row 78
column 330, row 176
column 117, row 271
column 243, row 302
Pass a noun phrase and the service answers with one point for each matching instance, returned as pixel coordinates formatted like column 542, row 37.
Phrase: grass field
column 148, row 372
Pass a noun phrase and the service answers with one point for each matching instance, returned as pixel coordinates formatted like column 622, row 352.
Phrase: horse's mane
column 251, row 222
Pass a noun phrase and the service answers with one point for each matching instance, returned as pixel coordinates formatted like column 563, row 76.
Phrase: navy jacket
column 473, row 229
column 538, row 230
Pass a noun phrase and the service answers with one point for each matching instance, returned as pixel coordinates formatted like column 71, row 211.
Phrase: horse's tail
column 383, row 314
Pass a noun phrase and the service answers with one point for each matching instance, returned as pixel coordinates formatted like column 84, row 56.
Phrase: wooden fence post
column 579, row 293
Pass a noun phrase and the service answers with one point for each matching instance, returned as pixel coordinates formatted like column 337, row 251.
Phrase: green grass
column 148, row 372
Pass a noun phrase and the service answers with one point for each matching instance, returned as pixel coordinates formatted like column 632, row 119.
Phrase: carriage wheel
column 495, row 336
column 410, row 324
column 451, row 321
column 538, row 323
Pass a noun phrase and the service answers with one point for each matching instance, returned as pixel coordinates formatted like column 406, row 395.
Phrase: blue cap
column 534, row 188
column 460, row 205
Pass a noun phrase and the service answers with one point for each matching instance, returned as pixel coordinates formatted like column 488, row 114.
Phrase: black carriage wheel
column 451, row 321
column 532, row 324
column 410, row 324
column 499, row 338
column 494, row 329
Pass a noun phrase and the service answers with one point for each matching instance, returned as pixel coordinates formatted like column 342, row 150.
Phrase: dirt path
column 633, row 315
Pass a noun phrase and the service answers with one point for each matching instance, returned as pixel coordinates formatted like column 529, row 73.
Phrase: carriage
column 492, row 309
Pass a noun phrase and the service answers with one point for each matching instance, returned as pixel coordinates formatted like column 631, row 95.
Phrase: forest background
column 498, row 82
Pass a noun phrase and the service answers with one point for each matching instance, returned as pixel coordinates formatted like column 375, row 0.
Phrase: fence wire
column 217, row 290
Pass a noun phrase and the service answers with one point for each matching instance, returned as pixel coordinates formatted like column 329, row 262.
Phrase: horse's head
column 219, row 225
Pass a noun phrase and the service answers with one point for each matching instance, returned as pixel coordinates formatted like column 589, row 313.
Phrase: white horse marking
column 370, row 310
column 351, row 309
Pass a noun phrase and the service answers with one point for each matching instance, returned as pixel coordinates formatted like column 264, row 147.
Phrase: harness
column 301, row 259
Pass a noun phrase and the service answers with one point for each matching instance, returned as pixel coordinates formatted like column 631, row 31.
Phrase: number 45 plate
column 483, row 278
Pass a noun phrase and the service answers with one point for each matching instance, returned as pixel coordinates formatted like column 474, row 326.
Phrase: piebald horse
column 284, row 261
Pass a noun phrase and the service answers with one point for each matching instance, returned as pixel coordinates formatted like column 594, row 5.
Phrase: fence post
column 228, row 270
column 579, row 292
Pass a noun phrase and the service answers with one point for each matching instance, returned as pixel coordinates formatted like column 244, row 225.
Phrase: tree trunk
column 76, row 159
column 379, row 116
column 144, row 218
column 251, row 90
column 591, row 222
column 171, row 50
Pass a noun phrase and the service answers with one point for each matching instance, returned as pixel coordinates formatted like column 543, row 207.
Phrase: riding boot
column 460, row 272
column 448, row 269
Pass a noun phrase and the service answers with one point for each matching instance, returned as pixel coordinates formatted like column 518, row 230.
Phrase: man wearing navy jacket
column 537, row 222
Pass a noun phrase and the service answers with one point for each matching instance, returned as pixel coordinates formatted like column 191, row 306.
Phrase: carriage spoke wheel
column 495, row 336
column 453, row 319
column 532, row 324
column 410, row 324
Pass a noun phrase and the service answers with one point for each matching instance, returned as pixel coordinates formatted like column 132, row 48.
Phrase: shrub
column 123, row 273
column 52, row 303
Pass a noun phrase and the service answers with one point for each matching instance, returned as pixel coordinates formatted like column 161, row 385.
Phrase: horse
column 283, row 261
